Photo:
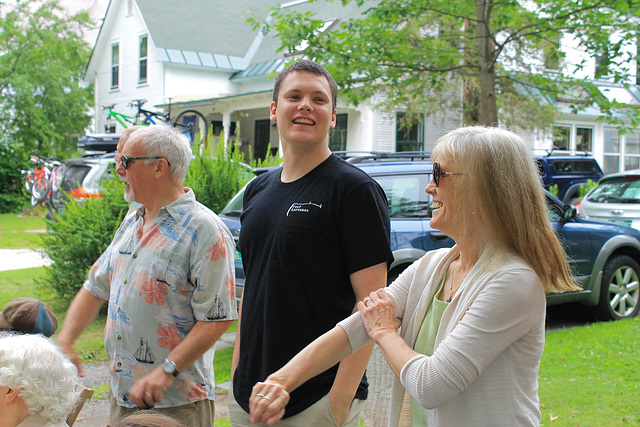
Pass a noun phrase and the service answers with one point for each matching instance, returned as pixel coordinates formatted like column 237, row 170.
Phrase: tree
column 42, row 60
column 418, row 54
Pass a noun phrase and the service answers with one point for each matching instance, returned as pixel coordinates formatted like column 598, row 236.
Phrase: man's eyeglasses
column 124, row 160
column 437, row 173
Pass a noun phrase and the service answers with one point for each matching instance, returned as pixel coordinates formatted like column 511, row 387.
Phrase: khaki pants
column 317, row 415
column 197, row 414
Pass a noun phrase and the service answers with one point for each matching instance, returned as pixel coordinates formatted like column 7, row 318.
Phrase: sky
column 97, row 9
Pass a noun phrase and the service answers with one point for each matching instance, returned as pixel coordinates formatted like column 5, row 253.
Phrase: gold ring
column 366, row 299
column 146, row 393
column 378, row 318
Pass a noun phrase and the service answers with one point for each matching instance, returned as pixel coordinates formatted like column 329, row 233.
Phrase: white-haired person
column 168, row 279
column 472, row 317
column 37, row 382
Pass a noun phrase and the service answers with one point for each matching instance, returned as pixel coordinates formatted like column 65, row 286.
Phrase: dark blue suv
column 568, row 173
column 605, row 258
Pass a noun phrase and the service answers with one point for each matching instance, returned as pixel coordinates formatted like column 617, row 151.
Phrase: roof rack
column 372, row 156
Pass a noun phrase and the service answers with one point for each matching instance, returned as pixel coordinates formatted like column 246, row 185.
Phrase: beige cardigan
column 484, row 370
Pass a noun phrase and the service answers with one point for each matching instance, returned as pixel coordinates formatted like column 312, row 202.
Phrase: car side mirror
column 569, row 213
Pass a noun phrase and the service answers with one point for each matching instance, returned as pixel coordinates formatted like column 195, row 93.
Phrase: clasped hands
column 269, row 398
column 377, row 314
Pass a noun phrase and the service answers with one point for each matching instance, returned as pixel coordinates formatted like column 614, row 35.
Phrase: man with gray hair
column 168, row 278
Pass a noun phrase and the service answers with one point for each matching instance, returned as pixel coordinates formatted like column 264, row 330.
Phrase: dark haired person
column 314, row 240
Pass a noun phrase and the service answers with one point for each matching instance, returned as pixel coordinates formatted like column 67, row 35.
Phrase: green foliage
column 44, row 56
column 217, row 173
column 586, row 187
column 590, row 375
column 415, row 56
column 79, row 235
column 13, row 161
column 554, row 190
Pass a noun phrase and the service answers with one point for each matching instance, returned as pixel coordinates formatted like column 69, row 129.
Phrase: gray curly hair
column 44, row 378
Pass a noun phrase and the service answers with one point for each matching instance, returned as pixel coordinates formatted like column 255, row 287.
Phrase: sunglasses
column 124, row 160
column 437, row 173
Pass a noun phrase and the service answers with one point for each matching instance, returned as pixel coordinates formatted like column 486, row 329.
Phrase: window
column 142, row 76
column 115, row 65
column 409, row 135
column 584, row 138
column 632, row 151
column 338, row 135
column 611, row 151
column 561, row 138
column 129, row 7
column 551, row 52
column 602, row 64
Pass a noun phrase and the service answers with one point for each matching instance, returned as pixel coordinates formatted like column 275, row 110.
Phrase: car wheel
column 620, row 289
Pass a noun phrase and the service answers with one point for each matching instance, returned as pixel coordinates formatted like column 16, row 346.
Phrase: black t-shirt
column 299, row 242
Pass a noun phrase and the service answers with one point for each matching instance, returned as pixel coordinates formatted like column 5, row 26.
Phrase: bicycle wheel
column 192, row 123
column 28, row 181
column 39, row 190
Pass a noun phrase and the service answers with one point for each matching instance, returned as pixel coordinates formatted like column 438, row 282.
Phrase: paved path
column 17, row 259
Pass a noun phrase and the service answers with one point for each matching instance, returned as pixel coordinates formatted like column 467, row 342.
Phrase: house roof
column 216, row 34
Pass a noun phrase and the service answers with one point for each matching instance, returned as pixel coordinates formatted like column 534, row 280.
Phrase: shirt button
column 135, row 256
column 119, row 309
column 126, row 281
column 119, row 364
column 119, row 337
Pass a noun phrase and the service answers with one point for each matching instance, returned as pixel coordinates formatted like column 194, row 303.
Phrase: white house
column 202, row 61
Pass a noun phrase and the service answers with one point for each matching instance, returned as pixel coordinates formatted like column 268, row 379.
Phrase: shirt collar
column 176, row 209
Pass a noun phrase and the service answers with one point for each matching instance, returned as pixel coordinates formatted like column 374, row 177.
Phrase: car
column 568, row 173
column 81, row 179
column 605, row 258
column 615, row 199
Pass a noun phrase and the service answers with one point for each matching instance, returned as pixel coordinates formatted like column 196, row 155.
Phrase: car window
column 234, row 207
column 405, row 194
column 74, row 175
column 618, row 190
column 566, row 167
column 554, row 212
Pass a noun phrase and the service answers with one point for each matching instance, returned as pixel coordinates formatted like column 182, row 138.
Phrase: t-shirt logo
column 302, row 207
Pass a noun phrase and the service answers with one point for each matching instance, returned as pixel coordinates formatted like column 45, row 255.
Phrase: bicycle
column 44, row 179
column 123, row 119
column 190, row 121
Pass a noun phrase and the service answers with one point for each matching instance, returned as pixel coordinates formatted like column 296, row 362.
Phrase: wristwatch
column 169, row 367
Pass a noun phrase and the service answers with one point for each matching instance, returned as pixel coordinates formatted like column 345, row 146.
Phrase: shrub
column 586, row 187
column 217, row 173
column 554, row 190
column 12, row 197
column 79, row 235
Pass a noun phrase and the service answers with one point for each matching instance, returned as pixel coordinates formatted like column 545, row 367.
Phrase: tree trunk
column 487, row 74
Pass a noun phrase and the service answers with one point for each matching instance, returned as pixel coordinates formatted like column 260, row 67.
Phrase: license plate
column 625, row 222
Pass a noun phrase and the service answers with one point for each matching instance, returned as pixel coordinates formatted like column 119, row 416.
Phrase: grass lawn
column 22, row 231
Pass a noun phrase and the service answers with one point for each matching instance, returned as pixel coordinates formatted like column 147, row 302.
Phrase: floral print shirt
column 159, row 283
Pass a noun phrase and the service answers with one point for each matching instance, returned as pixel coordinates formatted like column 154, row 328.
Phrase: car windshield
column 617, row 190
column 406, row 195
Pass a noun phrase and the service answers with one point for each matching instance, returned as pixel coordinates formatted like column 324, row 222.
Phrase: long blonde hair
column 501, row 188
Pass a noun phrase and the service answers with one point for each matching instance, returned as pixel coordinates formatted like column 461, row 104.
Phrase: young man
column 169, row 281
column 314, row 241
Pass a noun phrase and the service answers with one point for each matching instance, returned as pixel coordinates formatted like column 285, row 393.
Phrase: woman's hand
column 267, row 402
column 377, row 314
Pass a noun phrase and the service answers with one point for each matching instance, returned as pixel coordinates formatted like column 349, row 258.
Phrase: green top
column 424, row 344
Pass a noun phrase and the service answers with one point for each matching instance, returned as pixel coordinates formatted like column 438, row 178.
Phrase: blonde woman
column 472, row 316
